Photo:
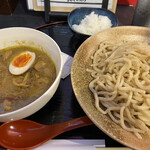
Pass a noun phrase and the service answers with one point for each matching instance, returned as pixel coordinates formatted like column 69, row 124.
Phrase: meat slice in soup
column 17, row 91
column 7, row 104
column 39, row 66
column 7, row 54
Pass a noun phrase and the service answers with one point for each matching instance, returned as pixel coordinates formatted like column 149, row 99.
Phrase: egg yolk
column 22, row 60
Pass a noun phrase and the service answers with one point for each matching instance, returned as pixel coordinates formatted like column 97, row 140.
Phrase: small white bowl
column 25, row 36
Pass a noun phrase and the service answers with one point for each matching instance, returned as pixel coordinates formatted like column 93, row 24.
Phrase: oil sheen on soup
column 25, row 74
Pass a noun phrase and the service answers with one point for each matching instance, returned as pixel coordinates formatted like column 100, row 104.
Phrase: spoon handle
column 75, row 123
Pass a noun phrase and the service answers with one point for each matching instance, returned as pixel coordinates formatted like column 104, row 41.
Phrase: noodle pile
column 121, row 84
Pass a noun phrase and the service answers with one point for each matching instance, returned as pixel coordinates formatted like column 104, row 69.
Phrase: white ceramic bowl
column 25, row 36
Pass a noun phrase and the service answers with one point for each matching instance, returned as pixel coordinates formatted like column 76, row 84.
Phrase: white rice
column 92, row 24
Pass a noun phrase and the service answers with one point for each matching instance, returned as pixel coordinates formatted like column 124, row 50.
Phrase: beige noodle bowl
column 81, row 79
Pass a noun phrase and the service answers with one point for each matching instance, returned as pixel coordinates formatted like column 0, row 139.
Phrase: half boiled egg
column 21, row 63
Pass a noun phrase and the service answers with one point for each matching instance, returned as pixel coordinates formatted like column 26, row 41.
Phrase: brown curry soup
column 17, row 91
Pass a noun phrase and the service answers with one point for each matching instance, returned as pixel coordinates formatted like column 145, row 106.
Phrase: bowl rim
column 90, row 8
column 53, row 84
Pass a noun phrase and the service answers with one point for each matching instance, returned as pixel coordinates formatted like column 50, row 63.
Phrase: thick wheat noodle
column 121, row 84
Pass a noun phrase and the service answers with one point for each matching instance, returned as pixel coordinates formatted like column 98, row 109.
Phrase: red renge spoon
column 26, row 134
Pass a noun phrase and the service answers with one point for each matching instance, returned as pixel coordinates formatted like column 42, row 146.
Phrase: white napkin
column 67, row 62
column 58, row 144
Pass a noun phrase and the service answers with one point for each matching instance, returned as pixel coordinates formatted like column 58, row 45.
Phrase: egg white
column 20, row 70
